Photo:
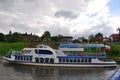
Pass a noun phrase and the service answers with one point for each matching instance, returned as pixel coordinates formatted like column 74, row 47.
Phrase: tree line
column 18, row 37
column 46, row 36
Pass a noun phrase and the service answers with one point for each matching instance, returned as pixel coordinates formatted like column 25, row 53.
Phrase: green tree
column 56, row 38
column 2, row 37
column 99, row 37
column 9, row 37
column 15, row 37
column 91, row 38
column 10, row 32
column 46, row 36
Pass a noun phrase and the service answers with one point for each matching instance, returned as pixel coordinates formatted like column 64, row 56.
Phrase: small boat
column 68, row 55
column 116, row 75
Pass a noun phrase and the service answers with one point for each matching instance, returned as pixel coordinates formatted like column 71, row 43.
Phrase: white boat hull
column 77, row 65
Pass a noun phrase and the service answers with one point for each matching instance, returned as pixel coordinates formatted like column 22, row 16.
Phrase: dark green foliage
column 2, row 37
column 18, row 37
column 91, row 38
column 5, row 48
column 46, row 35
column 114, row 51
column 15, row 37
column 98, row 35
column 56, row 38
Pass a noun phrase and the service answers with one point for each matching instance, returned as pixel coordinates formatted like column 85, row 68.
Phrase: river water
column 22, row 72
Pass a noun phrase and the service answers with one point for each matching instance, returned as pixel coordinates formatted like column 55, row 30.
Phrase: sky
column 67, row 17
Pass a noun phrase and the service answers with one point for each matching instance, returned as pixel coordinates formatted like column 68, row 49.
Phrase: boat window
column 67, row 60
column 36, row 51
column 63, row 59
column 78, row 60
column 75, row 60
column 60, row 60
column 45, row 52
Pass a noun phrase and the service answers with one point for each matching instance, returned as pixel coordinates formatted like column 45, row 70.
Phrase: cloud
column 66, row 14
column 74, row 17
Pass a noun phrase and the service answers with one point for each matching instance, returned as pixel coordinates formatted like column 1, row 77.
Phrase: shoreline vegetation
column 6, row 48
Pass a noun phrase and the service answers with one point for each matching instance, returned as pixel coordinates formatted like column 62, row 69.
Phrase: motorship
column 68, row 55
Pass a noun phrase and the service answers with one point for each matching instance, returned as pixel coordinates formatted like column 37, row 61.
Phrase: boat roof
column 81, row 45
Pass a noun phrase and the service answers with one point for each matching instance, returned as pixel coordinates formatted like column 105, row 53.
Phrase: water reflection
column 55, row 73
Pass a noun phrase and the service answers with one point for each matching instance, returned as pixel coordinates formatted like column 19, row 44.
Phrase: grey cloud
column 66, row 14
column 9, row 21
column 72, row 5
column 102, row 28
column 6, row 5
column 31, row 16
column 24, row 28
column 60, row 30
column 29, row 7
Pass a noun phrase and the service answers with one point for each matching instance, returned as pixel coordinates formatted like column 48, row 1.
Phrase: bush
column 115, row 50
column 6, row 47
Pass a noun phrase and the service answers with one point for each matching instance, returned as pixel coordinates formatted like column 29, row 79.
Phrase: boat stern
column 7, row 58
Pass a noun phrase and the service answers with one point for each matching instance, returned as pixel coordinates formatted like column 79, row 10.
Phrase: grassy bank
column 114, row 52
column 6, row 47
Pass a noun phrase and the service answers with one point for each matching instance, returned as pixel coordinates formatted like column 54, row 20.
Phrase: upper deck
column 81, row 45
column 86, row 50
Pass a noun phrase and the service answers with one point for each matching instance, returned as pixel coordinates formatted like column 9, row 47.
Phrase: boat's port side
column 75, row 60
column 44, row 60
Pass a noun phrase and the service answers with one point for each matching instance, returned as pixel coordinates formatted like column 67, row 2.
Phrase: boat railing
column 21, row 52
column 95, row 54
column 83, row 53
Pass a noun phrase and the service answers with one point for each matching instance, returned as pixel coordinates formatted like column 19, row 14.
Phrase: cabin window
column 46, row 60
column 78, row 60
column 63, row 59
column 75, row 60
column 70, row 60
column 67, row 60
column 15, row 57
column 36, row 51
column 89, row 59
column 45, row 52
column 82, row 60
column 51, row 60
column 85, row 59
